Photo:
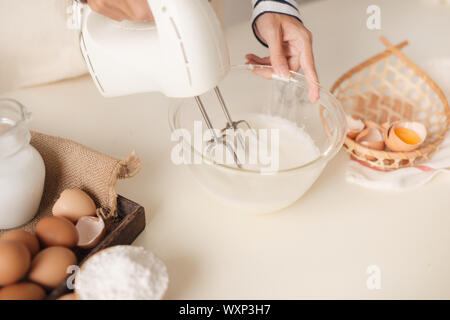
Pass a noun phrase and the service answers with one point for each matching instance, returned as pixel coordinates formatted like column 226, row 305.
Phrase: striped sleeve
column 287, row 7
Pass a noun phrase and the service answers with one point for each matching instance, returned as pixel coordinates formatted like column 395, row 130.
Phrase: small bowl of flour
column 122, row 273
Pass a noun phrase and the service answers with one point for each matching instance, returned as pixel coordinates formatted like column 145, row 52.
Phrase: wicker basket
column 386, row 88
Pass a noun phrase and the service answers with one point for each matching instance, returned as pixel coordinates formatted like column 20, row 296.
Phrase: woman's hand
column 119, row 10
column 290, row 48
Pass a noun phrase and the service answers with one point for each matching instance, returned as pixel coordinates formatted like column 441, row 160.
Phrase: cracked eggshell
column 396, row 144
column 90, row 230
column 371, row 138
column 73, row 204
column 373, row 124
column 355, row 126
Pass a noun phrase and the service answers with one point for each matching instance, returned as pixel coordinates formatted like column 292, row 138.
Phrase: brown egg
column 22, row 291
column 56, row 231
column 14, row 261
column 73, row 204
column 69, row 296
column 49, row 267
column 24, row 237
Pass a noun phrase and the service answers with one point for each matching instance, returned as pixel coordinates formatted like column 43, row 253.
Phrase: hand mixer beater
column 236, row 127
column 182, row 54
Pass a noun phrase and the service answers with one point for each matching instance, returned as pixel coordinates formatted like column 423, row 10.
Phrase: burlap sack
column 71, row 165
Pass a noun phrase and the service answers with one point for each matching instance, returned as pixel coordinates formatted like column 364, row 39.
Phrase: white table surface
column 321, row 246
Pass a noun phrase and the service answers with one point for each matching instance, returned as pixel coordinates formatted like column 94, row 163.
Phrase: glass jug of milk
column 22, row 170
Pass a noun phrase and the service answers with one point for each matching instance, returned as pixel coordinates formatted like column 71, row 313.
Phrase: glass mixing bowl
column 244, row 92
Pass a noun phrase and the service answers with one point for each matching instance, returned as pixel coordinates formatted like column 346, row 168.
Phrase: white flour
column 264, row 190
column 122, row 273
column 294, row 147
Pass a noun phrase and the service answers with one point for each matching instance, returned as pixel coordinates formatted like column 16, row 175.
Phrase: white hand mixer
column 182, row 54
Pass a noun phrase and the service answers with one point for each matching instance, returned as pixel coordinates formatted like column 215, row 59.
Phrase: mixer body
column 182, row 54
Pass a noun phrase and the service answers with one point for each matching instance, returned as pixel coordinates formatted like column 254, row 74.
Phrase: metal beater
column 234, row 125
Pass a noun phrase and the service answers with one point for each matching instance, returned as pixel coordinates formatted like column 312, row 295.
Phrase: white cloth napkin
column 401, row 179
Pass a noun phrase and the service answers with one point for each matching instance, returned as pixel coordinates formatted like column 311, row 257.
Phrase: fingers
column 124, row 7
column 263, row 72
column 309, row 69
column 119, row 10
column 277, row 55
column 266, row 73
column 254, row 59
column 141, row 10
column 104, row 7
column 294, row 63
